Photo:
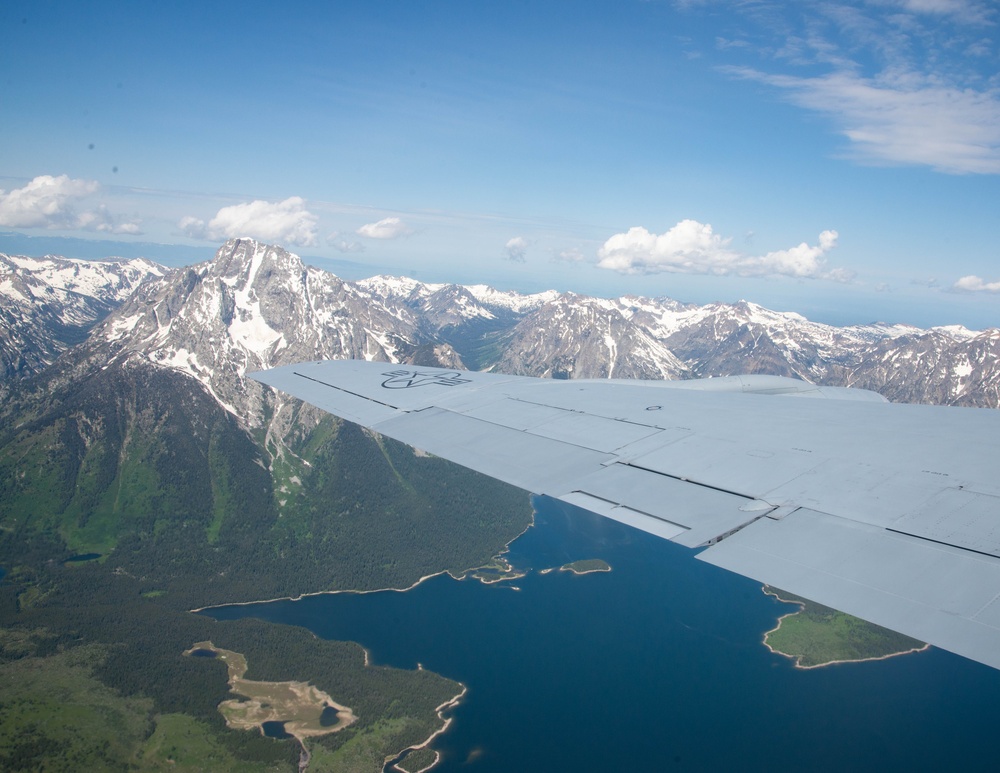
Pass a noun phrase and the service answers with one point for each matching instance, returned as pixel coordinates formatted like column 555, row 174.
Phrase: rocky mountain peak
column 255, row 306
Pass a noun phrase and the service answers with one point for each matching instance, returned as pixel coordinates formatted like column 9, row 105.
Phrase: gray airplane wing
column 888, row 512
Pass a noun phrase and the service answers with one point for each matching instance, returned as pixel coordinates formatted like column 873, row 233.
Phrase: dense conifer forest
column 178, row 507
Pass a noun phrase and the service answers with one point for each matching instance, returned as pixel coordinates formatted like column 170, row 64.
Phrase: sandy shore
column 447, row 723
column 465, row 574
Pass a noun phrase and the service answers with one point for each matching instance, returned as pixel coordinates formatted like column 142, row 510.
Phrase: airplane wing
column 888, row 512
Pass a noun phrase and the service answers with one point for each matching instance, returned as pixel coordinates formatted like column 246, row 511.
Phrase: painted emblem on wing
column 404, row 379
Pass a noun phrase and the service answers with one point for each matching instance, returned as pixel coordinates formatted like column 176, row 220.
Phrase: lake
column 656, row 665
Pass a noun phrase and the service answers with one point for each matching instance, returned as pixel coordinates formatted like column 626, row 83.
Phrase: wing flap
column 701, row 513
column 658, row 527
column 749, row 468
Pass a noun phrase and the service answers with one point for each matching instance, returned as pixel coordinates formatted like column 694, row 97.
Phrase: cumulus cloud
column 285, row 222
column 60, row 203
column 516, row 249
column 691, row 247
column 386, row 228
column 975, row 284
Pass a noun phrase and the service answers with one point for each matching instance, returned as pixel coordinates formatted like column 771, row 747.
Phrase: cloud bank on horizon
column 61, row 203
column 488, row 149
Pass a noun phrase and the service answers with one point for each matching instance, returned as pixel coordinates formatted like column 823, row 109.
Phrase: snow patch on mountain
column 510, row 300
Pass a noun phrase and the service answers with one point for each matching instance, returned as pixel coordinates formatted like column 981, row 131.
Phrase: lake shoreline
column 769, row 591
column 464, row 575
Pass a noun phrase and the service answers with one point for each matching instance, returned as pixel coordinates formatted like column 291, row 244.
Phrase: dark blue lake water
column 656, row 665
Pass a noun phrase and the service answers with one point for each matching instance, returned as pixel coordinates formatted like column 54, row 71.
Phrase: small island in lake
column 586, row 566
column 817, row 636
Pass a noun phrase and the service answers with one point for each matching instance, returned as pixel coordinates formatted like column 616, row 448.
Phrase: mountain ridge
column 255, row 306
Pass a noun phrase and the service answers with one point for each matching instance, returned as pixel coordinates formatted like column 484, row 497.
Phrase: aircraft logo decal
column 404, row 379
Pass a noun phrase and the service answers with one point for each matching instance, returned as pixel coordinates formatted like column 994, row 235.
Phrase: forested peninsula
column 117, row 521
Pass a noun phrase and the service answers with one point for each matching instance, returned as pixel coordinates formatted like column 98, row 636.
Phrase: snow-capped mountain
column 256, row 306
column 575, row 336
column 943, row 365
column 49, row 304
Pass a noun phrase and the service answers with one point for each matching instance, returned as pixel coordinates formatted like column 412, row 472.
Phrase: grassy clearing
column 56, row 716
column 298, row 705
column 182, row 743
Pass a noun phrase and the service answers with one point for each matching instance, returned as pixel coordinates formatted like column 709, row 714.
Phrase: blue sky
column 837, row 159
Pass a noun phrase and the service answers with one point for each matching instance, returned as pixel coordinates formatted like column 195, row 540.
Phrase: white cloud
column 907, row 82
column 975, row 284
column 516, row 249
column 571, row 255
column 339, row 243
column 386, row 228
column 965, row 10
column 284, row 222
column 691, row 247
column 903, row 117
column 59, row 203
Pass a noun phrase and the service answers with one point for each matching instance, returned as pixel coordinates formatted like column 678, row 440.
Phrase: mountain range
column 256, row 306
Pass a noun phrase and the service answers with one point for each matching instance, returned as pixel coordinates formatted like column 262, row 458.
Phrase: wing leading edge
column 889, row 512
